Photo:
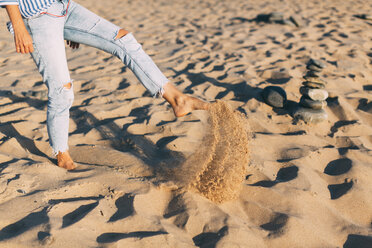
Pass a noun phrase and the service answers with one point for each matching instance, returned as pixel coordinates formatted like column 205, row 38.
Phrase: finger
column 77, row 45
column 28, row 47
column 68, row 42
column 18, row 49
column 22, row 49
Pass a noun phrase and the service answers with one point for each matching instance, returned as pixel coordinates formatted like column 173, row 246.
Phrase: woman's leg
column 50, row 58
column 83, row 26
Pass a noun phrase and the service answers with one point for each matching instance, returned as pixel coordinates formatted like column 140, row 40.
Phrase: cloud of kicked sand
column 218, row 167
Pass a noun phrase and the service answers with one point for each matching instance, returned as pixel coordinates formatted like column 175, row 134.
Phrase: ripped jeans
column 81, row 26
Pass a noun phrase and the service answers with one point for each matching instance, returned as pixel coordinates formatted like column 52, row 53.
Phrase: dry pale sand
column 146, row 179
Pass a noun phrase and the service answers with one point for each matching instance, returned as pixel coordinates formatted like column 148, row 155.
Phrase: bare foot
column 182, row 104
column 186, row 104
column 65, row 161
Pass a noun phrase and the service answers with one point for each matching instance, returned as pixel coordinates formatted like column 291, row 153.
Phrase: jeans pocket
column 37, row 22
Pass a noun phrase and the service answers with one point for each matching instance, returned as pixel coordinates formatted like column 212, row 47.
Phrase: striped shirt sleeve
column 8, row 2
column 29, row 8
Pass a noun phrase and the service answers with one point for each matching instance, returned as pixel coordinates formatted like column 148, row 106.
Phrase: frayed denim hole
column 62, row 98
column 55, row 88
column 124, row 39
column 130, row 45
column 69, row 94
column 65, row 87
column 117, row 33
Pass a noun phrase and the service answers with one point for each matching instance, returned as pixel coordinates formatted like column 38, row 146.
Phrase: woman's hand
column 73, row 45
column 23, row 41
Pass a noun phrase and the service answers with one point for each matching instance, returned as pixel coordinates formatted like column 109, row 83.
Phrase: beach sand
column 243, row 174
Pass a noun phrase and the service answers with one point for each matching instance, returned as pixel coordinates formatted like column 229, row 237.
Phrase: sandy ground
column 303, row 185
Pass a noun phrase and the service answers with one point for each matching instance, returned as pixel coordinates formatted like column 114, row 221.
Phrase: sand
column 240, row 175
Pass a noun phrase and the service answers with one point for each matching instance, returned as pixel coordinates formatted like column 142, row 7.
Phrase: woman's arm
column 22, row 39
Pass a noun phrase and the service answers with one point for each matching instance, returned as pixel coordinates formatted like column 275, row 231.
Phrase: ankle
column 180, row 100
column 171, row 94
column 63, row 154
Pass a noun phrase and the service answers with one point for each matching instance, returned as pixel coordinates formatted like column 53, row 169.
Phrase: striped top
column 29, row 8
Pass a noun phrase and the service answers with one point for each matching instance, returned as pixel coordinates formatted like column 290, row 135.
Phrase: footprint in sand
column 44, row 236
column 210, row 239
column 23, row 225
column 336, row 168
column 78, row 214
column 266, row 218
column 284, row 175
column 114, row 237
column 360, row 241
column 365, row 105
column 340, row 124
column 177, row 208
column 276, row 224
column 67, row 209
column 345, row 144
column 338, row 190
column 124, row 206
column 368, row 87
column 293, row 153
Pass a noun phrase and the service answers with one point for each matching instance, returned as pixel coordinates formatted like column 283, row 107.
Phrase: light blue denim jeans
column 81, row 26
